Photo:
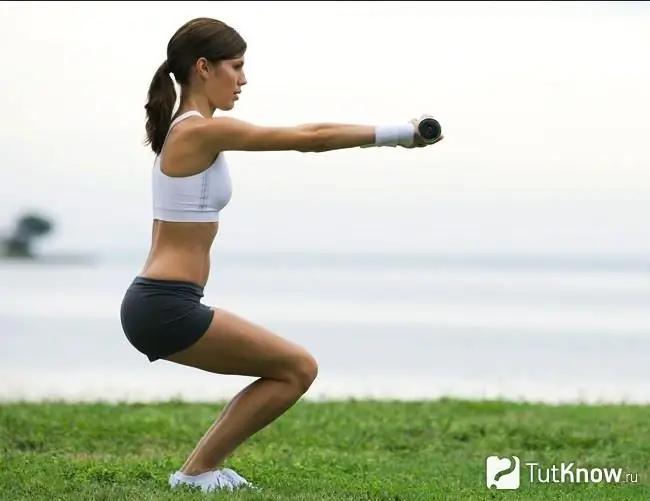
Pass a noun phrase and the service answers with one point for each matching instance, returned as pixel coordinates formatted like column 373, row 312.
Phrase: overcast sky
column 545, row 109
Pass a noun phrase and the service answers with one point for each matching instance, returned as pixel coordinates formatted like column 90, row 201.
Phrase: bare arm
column 223, row 134
column 201, row 140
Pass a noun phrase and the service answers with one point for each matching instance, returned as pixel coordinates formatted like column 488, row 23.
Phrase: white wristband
column 394, row 135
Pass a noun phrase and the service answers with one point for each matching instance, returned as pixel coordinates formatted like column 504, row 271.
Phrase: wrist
column 395, row 135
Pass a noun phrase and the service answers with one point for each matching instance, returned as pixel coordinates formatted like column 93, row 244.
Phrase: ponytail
column 160, row 106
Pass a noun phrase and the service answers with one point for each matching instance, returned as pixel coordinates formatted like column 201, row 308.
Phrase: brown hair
column 200, row 37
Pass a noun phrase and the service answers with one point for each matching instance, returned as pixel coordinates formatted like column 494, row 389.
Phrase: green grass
column 321, row 451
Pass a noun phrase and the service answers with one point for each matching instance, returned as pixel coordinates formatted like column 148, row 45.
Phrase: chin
column 226, row 107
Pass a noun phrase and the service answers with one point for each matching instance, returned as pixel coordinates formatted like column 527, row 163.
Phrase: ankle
column 193, row 470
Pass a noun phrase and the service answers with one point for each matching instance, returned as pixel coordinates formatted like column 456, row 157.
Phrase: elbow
column 315, row 139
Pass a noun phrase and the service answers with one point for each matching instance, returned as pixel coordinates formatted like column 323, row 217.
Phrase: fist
column 418, row 140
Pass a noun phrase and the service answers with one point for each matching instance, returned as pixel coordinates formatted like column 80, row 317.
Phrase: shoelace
column 223, row 480
column 236, row 479
column 234, row 476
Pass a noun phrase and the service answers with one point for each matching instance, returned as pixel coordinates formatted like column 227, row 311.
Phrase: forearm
column 337, row 136
column 330, row 136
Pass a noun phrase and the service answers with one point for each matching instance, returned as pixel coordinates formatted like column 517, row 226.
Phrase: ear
column 202, row 67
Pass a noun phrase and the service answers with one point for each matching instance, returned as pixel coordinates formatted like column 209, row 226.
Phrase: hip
column 160, row 299
column 161, row 316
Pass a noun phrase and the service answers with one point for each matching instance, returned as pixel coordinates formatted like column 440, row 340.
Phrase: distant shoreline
column 503, row 261
column 193, row 388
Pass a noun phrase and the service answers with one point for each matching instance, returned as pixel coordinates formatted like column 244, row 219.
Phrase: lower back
column 180, row 251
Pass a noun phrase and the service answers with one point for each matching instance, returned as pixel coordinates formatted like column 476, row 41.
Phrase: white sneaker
column 237, row 480
column 208, row 482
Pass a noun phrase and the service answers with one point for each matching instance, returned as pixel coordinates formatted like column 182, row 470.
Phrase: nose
column 242, row 80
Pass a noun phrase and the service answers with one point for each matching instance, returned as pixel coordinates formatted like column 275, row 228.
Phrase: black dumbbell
column 430, row 129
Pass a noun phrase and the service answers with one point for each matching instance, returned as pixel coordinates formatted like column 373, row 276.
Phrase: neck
column 190, row 101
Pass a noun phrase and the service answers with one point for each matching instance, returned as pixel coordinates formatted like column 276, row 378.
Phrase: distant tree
column 28, row 228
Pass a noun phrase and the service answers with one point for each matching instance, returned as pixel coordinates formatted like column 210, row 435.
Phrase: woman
column 162, row 314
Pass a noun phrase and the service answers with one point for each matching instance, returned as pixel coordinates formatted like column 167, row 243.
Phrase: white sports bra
column 196, row 198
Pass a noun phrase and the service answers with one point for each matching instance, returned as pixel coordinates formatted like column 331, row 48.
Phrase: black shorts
column 162, row 317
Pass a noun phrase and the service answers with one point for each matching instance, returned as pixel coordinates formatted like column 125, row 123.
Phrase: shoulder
column 201, row 132
column 211, row 128
column 184, row 152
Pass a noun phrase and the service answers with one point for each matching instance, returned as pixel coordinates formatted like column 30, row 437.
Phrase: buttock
column 161, row 317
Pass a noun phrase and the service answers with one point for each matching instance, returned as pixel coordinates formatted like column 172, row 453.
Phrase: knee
column 304, row 371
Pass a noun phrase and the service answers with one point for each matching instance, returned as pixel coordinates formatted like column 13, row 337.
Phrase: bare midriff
column 180, row 251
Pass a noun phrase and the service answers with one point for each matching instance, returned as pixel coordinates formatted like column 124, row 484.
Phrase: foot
column 236, row 479
column 208, row 482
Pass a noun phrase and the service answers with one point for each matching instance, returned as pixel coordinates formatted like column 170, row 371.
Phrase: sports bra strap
column 182, row 117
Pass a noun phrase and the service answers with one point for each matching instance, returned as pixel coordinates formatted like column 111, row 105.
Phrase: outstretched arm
column 225, row 133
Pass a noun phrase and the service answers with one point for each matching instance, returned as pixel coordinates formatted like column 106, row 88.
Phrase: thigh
column 235, row 346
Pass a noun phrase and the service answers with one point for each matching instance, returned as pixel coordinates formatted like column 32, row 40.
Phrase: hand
column 418, row 140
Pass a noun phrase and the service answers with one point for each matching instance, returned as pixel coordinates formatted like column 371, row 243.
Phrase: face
column 223, row 81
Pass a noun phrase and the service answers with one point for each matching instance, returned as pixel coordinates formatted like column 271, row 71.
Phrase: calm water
column 382, row 326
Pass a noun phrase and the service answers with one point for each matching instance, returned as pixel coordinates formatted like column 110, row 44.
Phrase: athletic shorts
column 163, row 317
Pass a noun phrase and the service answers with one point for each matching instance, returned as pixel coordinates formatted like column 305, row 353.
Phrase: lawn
column 334, row 451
